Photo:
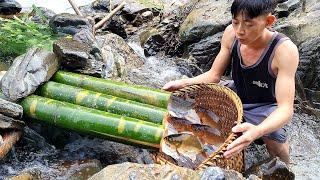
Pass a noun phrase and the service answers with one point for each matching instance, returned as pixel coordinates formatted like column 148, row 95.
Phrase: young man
column 264, row 64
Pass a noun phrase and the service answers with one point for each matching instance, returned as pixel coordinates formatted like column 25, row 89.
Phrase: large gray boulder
column 77, row 56
column 205, row 51
column 8, row 7
column 157, row 171
column 309, row 68
column 300, row 27
column 118, row 57
column 69, row 23
column 207, row 19
column 27, row 72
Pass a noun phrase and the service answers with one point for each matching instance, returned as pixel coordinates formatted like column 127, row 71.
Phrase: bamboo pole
column 112, row 104
column 137, row 93
column 92, row 121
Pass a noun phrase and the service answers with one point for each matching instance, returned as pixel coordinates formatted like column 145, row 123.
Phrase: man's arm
column 286, row 62
column 287, row 59
column 218, row 67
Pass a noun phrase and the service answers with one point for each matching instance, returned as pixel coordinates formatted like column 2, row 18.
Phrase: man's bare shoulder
column 287, row 54
column 228, row 37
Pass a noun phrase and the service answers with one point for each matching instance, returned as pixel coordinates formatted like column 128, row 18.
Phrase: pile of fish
column 192, row 133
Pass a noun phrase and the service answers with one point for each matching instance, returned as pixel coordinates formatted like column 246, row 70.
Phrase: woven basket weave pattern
column 228, row 107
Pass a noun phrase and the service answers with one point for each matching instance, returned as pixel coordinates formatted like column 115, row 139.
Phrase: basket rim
column 238, row 104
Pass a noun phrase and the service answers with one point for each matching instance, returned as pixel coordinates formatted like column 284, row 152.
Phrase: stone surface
column 205, row 51
column 141, row 171
column 309, row 67
column 27, row 72
column 69, row 23
column 78, row 57
column 300, row 27
column 10, row 123
column 207, row 19
column 285, row 8
column 118, row 57
column 8, row 7
column 10, row 109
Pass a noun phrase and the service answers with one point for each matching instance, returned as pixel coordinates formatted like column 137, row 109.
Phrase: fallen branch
column 75, row 8
column 105, row 19
column 9, row 140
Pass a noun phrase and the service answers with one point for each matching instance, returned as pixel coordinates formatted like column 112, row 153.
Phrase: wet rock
column 10, row 123
column 27, row 72
column 118, row 57
column 300, row 27
column 23, row 176
column 313, row 97
column 231, row 174
column 205, row 51
column 253, row 177
column 69, row 23
column 8, row 7
column 46, row 15
column 101, row 5
column 309, row 68
column 86, row 36
column 8, row 108
column 206, row 20
column 276, row 169
column 213, row 173
column 31, row 137
column 285, row 8
column 78, row 57
column 115, row 25
column 80, row 169
column 154, row 43
column 142, row 171
column 165, row 37
column 132, row 7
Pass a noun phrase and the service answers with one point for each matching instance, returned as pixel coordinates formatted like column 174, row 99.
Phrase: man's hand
column 174, row 85
column 249, row 132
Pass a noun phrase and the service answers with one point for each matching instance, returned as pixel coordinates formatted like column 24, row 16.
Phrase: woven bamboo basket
column 228, row 107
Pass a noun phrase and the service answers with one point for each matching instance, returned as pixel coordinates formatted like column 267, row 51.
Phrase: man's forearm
column 207, row 77
column 276, row 120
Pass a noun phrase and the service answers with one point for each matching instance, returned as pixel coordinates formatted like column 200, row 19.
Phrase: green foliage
column 19, row 34
column 158, row 4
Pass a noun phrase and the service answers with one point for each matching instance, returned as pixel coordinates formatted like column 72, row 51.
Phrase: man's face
column 248, row 30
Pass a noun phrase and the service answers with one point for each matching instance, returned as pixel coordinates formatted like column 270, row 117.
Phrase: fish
column 185, row 143
column 209, row 118
column 179, row 107
column 180, row 124
column 208, row 134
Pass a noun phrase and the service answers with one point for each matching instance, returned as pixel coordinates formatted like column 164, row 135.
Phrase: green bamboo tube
column 92, row 121
column 91, row 99
column 132, row 92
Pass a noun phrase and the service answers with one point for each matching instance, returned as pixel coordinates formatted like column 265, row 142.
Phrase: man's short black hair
column 253, row 8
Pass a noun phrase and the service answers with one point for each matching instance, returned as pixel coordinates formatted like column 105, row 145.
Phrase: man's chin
column 242, row 41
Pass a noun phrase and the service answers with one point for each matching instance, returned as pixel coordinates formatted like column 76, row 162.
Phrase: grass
column 153, row 4
column 19, row 34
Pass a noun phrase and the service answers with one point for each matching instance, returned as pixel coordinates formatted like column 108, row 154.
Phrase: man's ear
column 270, row 20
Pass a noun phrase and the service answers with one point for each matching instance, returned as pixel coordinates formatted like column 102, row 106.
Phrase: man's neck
column 262, row 41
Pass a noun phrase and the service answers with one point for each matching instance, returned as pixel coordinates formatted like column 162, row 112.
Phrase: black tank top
column 255, row 83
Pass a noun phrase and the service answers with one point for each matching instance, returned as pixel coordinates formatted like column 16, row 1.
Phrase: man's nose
column 240, row 30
